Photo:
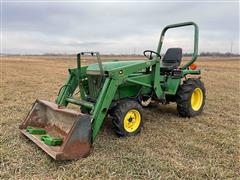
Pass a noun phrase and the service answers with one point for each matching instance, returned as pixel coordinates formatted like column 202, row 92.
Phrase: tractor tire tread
column 118, row 116
column 184, row 97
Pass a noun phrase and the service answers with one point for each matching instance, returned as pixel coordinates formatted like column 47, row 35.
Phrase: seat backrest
column 173, row 55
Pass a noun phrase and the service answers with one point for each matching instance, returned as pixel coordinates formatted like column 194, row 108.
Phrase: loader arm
column 103, row 103
column 117, row 77
column 74, row 79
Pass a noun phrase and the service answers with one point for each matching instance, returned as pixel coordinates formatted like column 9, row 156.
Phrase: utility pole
column 134, row 51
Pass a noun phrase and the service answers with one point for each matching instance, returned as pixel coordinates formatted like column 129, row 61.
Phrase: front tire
column 191, row 98
column 127, row 118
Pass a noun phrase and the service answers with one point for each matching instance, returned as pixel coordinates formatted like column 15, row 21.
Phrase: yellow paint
column 132, row 120
column 197, row 99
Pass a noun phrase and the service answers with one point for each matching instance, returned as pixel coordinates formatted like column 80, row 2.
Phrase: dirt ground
column 204, row 147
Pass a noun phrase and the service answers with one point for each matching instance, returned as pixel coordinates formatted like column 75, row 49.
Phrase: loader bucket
column 72, row 129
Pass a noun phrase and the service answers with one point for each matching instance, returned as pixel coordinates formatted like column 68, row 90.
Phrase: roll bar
column 196, row 34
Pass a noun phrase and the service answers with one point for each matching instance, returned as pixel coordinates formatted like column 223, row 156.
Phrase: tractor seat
column 171, row 60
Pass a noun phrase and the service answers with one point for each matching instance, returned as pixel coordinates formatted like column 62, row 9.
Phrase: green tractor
column 119, row 89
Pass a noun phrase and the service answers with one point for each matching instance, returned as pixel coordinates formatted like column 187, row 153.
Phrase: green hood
column 108, row 66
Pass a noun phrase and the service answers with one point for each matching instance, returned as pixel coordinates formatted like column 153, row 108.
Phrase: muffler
column 71, row 127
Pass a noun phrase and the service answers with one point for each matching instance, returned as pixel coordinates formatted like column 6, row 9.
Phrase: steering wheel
column 150, row 56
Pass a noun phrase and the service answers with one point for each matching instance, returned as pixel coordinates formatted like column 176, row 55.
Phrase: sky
column 36, row 27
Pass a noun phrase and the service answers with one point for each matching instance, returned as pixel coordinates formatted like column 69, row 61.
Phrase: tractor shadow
column 169, row 110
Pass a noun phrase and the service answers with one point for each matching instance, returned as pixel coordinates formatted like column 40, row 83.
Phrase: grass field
column 204, row 147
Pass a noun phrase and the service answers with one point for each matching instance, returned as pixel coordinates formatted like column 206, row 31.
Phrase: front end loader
column 119, row 89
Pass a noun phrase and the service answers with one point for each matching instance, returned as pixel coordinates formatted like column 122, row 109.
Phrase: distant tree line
column 227, row 54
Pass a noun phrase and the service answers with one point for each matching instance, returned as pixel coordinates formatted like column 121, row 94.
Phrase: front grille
column 94, row 85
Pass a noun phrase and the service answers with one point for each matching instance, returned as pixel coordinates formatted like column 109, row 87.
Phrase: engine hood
column 108, row 66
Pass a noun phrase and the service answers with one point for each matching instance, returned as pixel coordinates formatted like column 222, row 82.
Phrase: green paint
column 103, row 102
column 108, row 66
column 33, row 130
column 172, row 86
column 102, row 83
column 51, row 141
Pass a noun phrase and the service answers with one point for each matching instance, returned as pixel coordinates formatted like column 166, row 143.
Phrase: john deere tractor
column 119, row 89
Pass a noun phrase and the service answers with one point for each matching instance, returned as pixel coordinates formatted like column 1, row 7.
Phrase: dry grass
column 169, row 147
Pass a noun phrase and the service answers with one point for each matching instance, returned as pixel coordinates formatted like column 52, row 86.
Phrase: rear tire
column 127, row 118
column 190, row 98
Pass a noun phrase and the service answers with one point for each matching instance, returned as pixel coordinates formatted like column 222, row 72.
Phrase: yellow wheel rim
column 197, row 99
column 132, row 120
